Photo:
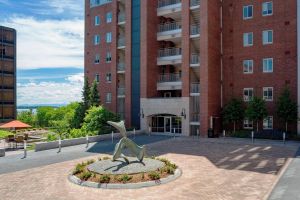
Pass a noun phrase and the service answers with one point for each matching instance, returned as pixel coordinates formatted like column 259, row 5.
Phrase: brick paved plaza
column 212, row 169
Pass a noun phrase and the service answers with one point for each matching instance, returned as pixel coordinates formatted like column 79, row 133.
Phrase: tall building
column 172, row 65
column 8, row 74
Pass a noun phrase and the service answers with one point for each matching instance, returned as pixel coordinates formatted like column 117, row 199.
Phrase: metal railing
column 121, row 91
column 195, row 29
column 176, row 77
column 194, row 3
column 163, row 3
column 121, row 66
column 169, row 52
column 195, row 59
column 195, row 117
column 169, row 27
column 121, row 42
column 195, row 88
column 121, row 17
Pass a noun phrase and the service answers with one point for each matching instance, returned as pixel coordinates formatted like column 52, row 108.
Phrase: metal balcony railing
column 121, row 42
column 176, row 77
column 164, row 3
column 195, row 88
column 194, row 3
column 195, row 29
column 195, row 59
column 121, row 17
column 121, row 91
column 121, row 66
column 195, row 117
column 169, row 52
column 169, row 27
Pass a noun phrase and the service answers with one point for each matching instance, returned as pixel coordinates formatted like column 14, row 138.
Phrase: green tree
column 233, row 112
column 256, row 110
column 96, row 119
column 94, row 95
column 78, row 118
column 287, row 109
column 27, row 117
column 86, row 94
column 44, row 115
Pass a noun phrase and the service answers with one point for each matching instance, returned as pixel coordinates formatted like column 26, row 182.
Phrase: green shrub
column 168, row 169
column 167, row 163
column 125, row 178
column 85, row 175
column 90, row 161
column 52, row 137
column 154, row 175
column 104, row 178
column 4, row 134
column 78, row 169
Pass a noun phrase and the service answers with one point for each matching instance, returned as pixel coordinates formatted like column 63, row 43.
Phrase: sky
column 50, row 35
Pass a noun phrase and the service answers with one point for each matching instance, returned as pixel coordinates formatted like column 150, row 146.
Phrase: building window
column 248, row 94
column 108, row 57
column 267, row 8
column 109, row 17
column 97, row 20
column 97, row 78
column 108, row 37
column 248, row 124
column 248, row 39
column 108, row 77
column 108, row 98
column 97, row 59
column 268, row 65
column 268, row 123
column 268, row 37
column 248, row 12
column 268, row 93
column 248, row 66
column 96, row 39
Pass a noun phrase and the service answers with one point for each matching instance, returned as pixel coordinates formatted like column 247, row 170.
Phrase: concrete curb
column 77, row 181
column 2, row 152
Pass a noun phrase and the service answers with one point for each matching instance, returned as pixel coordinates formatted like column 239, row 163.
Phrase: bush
column 125, row 178
column 154, row 175
column 90, row 161
column 77, row 133
column 168, row 169
column 104, row 178
column 78, row 169
column 52, row 137
column 4, row 134
column 86, row 175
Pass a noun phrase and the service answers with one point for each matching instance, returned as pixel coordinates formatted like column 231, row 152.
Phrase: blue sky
column 50, row 36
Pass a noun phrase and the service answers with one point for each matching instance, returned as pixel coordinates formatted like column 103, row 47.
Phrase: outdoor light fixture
column 183, row 114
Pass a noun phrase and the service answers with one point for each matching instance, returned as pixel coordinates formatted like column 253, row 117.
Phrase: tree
column 44, row 115
column 233, row 112
column 96, row 119
column 94, row 95
column 256, row 110
column 27, row 117
column 287, row 109
column 86, row 94
column 78, row 117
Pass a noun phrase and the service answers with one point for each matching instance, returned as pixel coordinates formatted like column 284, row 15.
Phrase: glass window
column 248, row 12
column 248, row 39
column 248, row 66
column 267, row 8
column 109, row 17
column 108, row 37
column 97, row 59
column 97, row 20
column 268, row 65
column 248, row 94
column 268, row 93
column 248, row 124
column 268, row 37
column 108, row 98
column 268, row 123
column 96, row 39
column 97, row 78
column 108, row 77
column 108, row 57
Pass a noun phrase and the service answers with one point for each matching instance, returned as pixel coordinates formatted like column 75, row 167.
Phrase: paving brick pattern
column 212, row 170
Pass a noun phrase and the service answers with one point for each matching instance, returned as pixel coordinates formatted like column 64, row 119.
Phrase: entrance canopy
column 15, row 125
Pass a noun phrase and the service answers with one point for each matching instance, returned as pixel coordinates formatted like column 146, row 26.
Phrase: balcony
column 169, row 82
column 121, row 68
column 121, row 43
column 168, row 7
column 195, row 89
column 121, row 92
column 121, row 18
column 195, row 31
column 169, row 31
column 169, row 56
column 194, row 4
column 195, row 60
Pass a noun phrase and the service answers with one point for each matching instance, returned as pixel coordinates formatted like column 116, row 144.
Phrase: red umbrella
column 15, row 125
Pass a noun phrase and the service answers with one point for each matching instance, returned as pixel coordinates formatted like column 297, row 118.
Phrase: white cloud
column 48, row 43
column 75, row 7
column 51, row 92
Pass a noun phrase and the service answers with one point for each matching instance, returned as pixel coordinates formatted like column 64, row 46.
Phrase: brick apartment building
column 8, row 74
column 171, row 65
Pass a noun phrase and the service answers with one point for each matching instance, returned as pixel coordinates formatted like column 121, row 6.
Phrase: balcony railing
column 121, row 91
column 121, row 17
column 176, row 77
column 164, row 3
column 195, row 117
column 169, row 52
column 195, row 88
column 195, row 59
column 121, row 66
column 194, row 3
column 121, row 42
column 169, row 27
column 195, row 29
column 6, row 57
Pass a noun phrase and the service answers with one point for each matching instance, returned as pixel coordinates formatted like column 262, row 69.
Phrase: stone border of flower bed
column 74, row 179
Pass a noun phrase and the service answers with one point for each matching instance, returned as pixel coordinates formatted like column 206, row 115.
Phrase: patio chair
column 19, row 140
column 26, row 136
column 10, row 139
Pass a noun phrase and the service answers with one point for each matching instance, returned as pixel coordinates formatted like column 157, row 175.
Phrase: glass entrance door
column 168, row 124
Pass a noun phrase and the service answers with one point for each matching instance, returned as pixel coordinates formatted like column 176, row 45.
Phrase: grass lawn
column 4, row 134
